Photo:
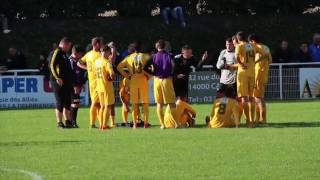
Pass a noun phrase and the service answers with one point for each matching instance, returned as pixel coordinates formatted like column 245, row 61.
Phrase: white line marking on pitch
column 34, row 176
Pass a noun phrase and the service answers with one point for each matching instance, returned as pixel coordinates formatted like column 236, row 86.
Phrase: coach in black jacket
column 182, row 69
column 61, row 80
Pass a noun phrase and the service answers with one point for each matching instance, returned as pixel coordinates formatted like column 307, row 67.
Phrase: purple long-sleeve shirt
column 163, row 65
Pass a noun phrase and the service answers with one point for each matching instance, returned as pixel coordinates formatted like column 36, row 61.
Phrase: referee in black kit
column 61, row 81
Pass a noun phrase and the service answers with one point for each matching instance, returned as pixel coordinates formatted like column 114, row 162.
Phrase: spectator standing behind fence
column 43, row 67
column 315, row 48
column 303, row 54
column 172, row 9
column 4, row 22
column 283, row 54
column 15, row 60
column 227, row 64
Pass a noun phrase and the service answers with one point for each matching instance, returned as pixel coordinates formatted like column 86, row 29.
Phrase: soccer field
column 289, row 148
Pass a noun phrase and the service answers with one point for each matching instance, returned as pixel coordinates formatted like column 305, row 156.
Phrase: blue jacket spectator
column 315, row 48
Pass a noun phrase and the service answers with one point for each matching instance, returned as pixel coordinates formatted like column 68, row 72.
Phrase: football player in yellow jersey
column 184, row 112
column 139, row 93
column 87, row 62
column 245, row 55
column 261, row 78
column 225, row 112
column 105, row 76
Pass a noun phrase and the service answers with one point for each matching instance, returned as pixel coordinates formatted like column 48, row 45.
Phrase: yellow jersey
column 135, row 64
column 104, row 72
column 262, row 64
column 225, row 113
column 89, row 60
column 124, row 89
column 246, row 54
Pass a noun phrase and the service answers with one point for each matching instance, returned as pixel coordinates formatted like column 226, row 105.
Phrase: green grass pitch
column 288, row 149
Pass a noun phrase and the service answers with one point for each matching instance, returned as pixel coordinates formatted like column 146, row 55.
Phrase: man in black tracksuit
column 182, row 69
column 61, row 81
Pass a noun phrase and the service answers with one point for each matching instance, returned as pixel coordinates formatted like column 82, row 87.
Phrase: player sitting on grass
column 105, row 76
column 184, row 112
column 225, row 112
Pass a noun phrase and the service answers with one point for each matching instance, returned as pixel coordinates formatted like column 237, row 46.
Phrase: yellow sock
column 106, row 115
column 246, row 111
column 264, row 114
column 160, row 115
column 93, row 114
column 124, row 115
column 101, row 116
column 252, row 110
column 135, row 112
column 146, row 113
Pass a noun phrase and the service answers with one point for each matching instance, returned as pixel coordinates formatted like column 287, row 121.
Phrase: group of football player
column 244, row 68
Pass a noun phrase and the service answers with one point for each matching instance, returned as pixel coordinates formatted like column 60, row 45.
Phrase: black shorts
column 62, row 95
column 181, row 87
column 230, row 87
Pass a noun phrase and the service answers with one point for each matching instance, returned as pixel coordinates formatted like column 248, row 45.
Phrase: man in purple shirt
column 314, row 48
column 161, row 66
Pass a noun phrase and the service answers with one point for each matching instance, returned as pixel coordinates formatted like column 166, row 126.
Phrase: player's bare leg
column 239, row 99
column 66, row 114
column 252, row 109
column 258, row 110
column 146, row 115
column 246, row 110
column 135, row 112
column 101, row 116
column 160, row 115
column 112, row 115
column 264, row 111
column 125, row 112
column 67, row 117
column 106, row 116
column 94, row 112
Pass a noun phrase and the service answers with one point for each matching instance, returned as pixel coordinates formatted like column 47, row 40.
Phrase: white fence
column 292, row 81
column 28, row 89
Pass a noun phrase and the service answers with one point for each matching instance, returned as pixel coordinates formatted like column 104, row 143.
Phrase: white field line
column 34, row 176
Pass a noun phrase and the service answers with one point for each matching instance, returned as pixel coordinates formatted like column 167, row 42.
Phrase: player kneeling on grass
column 225, row 112
column 105, row 76
column 184, row 112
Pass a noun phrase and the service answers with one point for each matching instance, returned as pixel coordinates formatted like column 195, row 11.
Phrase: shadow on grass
column 38, row 143
column 291, row 125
